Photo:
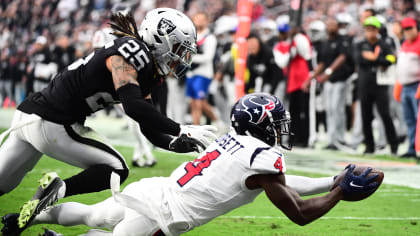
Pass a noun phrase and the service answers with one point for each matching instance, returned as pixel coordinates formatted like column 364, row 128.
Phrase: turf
column 387, row 212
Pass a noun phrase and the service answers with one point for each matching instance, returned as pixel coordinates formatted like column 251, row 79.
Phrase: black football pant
column 299, row 112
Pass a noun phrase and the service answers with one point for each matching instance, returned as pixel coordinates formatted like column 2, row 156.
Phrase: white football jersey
column 214, row 183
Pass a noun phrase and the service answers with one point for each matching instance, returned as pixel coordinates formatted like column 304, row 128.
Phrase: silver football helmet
column 172, row 37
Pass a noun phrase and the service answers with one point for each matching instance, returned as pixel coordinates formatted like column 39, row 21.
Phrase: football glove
column 202, row 133
column 353, row 184
column 183, row 144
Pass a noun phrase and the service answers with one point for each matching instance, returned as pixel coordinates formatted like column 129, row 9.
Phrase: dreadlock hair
column 124, row 25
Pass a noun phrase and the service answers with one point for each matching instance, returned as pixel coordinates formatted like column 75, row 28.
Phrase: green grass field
column 392, row 210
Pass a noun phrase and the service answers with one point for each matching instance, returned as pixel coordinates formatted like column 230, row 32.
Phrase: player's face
column 332, row 26
column 371, row 33
column 410, row 33
column 253, row 46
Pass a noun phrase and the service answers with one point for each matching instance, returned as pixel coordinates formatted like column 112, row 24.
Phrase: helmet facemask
column 279, row 131
column 177, row 60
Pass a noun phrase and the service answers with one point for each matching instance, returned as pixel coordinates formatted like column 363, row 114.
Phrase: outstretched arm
column 124, row 77
column 128, row 90
column 306, row 186
column 289, row 202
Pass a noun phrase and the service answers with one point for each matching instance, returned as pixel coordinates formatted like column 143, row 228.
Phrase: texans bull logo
column 259, row 112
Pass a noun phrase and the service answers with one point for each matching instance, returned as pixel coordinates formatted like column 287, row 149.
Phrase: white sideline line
column 324, row 218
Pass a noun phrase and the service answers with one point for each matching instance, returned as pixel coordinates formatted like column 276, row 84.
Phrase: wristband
column 328, row 71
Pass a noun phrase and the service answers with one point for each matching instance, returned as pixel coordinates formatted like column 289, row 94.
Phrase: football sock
column 66, row 214
column 62, row 191
column 306, row 186
column 94, row 179
column 105, row 214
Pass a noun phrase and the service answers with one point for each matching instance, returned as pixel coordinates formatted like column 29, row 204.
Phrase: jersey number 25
column 195, row 167
column 132, row 52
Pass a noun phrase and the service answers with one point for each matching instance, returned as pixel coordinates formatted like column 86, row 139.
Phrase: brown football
column 358, row 171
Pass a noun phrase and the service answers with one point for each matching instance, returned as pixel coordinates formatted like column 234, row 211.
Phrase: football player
column 231, row 172
column 124, row 71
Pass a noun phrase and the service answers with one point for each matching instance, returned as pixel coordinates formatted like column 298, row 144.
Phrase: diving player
column 124, row 71
column 231, row 172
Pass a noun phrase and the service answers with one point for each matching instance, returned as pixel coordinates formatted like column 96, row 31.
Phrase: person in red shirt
column 297, row 53
column 408, row 71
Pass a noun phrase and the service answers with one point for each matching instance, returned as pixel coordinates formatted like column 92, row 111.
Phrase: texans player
column 231, row 172
column 124, row 71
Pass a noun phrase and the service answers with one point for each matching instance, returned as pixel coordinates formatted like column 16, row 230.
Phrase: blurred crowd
column 351, row 69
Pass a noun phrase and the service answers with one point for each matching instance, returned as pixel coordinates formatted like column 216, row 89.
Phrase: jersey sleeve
column 134, row 52
column 267, row 161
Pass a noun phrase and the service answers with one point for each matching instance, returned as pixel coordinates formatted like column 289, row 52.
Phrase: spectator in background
column 63, row 53
column 261, row 66
column 42, row 67
column 372, row 55
column 334, row 69
column 295, row 57
column 408, row 70
column 5, row 79
column 202, row 72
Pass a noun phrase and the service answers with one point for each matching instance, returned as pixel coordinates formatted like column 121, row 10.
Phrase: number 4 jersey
column 214, row 183
column 86, row 86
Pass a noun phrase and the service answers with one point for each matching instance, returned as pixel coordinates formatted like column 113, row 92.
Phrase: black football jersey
column 86, row 85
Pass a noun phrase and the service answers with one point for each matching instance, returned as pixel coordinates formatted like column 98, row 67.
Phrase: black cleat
column 45, row 196
column 10, row 225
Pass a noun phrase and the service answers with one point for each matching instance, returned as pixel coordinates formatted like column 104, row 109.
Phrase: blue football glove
column 353, row 184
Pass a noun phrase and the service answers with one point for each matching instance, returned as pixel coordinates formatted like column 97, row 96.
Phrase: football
column 358, row 171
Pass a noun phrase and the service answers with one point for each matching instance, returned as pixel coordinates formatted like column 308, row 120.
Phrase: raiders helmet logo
column 165, row 27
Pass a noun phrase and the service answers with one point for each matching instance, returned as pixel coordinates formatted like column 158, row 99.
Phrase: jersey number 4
column 132, row 52
column 195, row 167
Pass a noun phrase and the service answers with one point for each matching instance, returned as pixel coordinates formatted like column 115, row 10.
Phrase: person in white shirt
column 202, row 72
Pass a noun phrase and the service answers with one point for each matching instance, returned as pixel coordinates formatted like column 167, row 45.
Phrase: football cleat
column 46, row 195
column 10, row 225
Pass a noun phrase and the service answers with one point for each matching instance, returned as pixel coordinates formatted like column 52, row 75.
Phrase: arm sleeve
column 303, row 46
column 306, row 186
column 144, row 113
column 156, row 138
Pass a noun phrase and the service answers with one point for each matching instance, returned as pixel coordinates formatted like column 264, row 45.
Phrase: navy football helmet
column 263, row 116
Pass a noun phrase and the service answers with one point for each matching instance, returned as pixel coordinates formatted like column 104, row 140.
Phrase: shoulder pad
column 134, row 51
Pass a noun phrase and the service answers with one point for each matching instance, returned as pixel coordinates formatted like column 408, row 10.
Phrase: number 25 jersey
column 86, row 86
column 214, row 183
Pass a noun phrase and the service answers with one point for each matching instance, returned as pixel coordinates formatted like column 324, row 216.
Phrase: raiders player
column 231, row 172
column 125, row 70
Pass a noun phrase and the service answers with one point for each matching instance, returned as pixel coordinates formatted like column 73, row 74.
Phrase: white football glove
column 202, row 133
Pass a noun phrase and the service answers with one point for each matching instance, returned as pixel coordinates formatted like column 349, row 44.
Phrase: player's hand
column 306, row 85
column 202, row 133
column 352, row 184
column 183, row 144
column 322, row 78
